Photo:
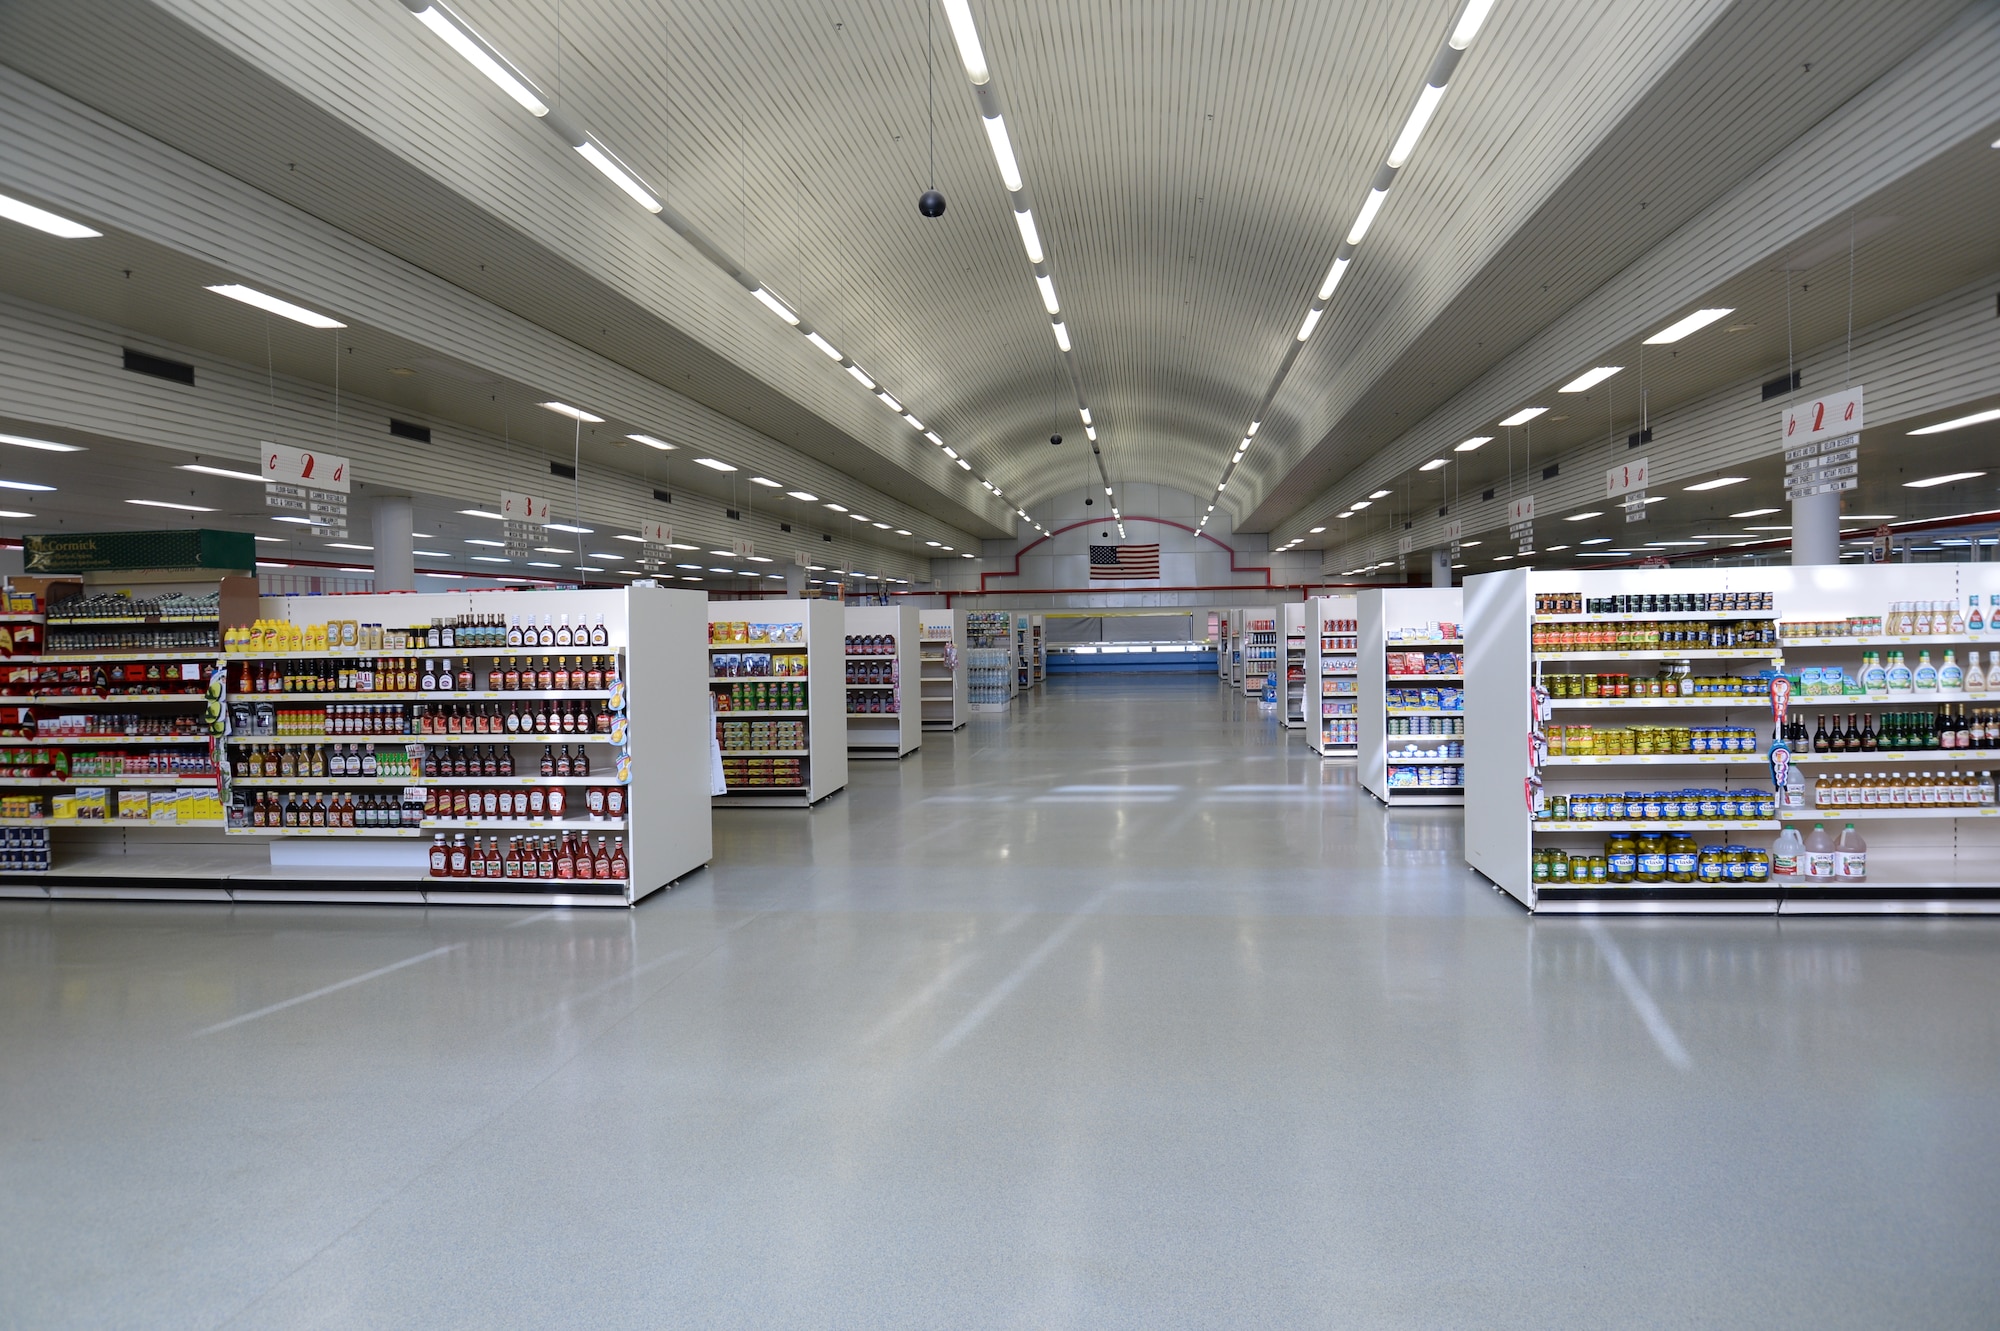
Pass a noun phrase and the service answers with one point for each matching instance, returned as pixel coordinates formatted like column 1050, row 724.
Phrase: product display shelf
column 101, row 741
column 1927, row 859
column 1261, row 649
column 1401, row 622
column 799, row 777
column 942, row 682
column 895, row 733
column 1292, row 689
column 1038, row 633
column 1333, row 673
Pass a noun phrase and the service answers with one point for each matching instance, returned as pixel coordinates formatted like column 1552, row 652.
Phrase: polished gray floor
column 1121, row 1011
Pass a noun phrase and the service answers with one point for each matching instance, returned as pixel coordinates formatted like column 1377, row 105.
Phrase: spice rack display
column 882, row 673
column 1410, row 693
column 1292, row 689
column 1333, row 673
column 941, row 680
column 790, row 748
column 1260, row 649
column 1898, row 749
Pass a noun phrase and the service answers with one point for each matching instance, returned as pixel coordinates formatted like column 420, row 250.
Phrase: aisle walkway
column 1124, row 1011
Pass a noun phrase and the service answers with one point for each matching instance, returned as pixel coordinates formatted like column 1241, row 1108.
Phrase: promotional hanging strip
column 1781, row 753
column 313, row 485
column 1521, row 524
column 1626, row 483
column 1823, row 444
column 522, row 519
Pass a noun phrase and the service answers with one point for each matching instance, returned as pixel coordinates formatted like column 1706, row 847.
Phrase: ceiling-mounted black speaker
column 930, row 203
column 1055, row 441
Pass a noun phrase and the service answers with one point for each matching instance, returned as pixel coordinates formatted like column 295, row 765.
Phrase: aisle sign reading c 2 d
column 1823, row 417
column 303, row 466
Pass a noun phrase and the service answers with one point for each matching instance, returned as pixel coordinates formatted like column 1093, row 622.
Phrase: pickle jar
column 1621, row 859
column 1558, row 866
column 1652, row 858
column 1759, row 862
column 1599, row 869
column 1683, row 858
column 1541, row 866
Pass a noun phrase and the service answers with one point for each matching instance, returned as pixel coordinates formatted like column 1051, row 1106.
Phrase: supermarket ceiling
column 1193, row 168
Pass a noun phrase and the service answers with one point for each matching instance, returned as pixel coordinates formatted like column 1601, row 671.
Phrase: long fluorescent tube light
column 1030, row 238
column 964, row 465
column 567, row 528
column 620, row 177
column 574, row 413
column 161, row 503
column 1062, row 334
column 1473, row 444
column 1326, row 287
column 433, row 554
column 1306, row 328
column 468, row 512
column 887, row 400
column 1946, row 479
column 1754, row 513
column 1317, row 530
column 1369, row 207
column 838, row 508
column 951, row 453
column 346, row 545
column 1003, row 152
column 51, row 446
column 1085, row 413
column 1674, row 332
column 714, row 464
column 1469, row 23
column 650, row 442
column 1049, row 302
column 1434, row 464
column 1717, row 483
column 1589, row 379
column 1585, row 516
column 861, row 376
column 1596, row 540
column 1978, row 418
column 30, row 485
column 823, row 345
column 774, row 305
column 480, row 59
column 1381, row 494
column 766, row 482
column 1523, row 416
column 1090, row 433
column 1359, row 504
column 1413, row 128
column 272, row 305
column 803, row 496
column 481, row 540
column 967, row 36
column 17, row 210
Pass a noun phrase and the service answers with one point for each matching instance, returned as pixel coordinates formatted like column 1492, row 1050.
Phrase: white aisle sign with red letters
column 1625, row 478
column 1823, row 417
column 303, row 466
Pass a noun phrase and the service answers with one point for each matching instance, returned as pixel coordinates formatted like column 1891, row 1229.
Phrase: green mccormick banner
column 130, row 551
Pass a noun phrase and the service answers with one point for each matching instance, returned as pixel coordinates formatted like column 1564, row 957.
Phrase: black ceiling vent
column 1408, row 525
column 1635, row 440
column 824, row 537
column 1783, row 384
column 562, row 469
column 404, row 430
column 159, row 367
column 784, row 526
column 733, row 515
column 664, row 496
column 1486, row 496
column 1444, row 511
column 1549, row 472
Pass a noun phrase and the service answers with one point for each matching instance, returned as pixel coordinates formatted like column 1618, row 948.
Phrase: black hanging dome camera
column 930, row 203
column 1055, row 441
column 1088, row 501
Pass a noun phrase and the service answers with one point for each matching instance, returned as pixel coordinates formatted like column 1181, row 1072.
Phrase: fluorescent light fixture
column 861, row 376
column 1381, row 494
column 803, row 496
column 755, row 559
column 480, row 59
column 1977, row 418
column 1717, row 483
column 344, row 545
column 677, row 545
column 15, row 210
column 1864, row 517
column 431, row 554
column 480, row 540
column 583, row 568
column 723, row 554
column 614, row 172
column 1596, row 540
column 1332, row 279
column 1695, row 322
column 1030, row 238
column 932, row 436
column 1584, row 517
column 1946, row 479
column 714, row 464
column 1523, row 416
column 693, row 566
column 1085, row 413
column 1602, row 554
column 964, row 465
column 51, row 446
column 901, row 532
column 912, row 421
column 882, row 525
column 1469, row 23
column 1317, row 530
column 1589, row 379
column 550, row 550
column 1062, row 334
column 1048, row 290
column 1306, row 328
column 823, row 345
column 274, row 540
column 1657, row 499
column 1434, row 464
column 303, row 522
column 858, row 517
column 1003, row 152
column 1346, row 513
column 1786, row 527
column 1754, row 513
column 1090, row 433
column 1469, row 544
column 838, row 508
column 1358, row 505
column 272, row 305
column 766, row 482
column 951, row 453
column 932, row 544
column 574, row 413
column 1413, row 128
column 565, row 527
column 959, row 16
column 730, row 571
column 1369, row 207
column 650, row 442
column 267, row 563
column 1473, row 444
column 146, row 503
column 887, row 400
column 1664, row 544
column 491, row 559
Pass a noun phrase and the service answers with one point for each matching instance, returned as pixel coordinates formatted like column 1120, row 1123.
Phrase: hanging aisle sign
column 522, row 519
column 656, row 544
column 308, row 482
column 1521, row 524
column 1823, row 444
column 1822, row 418
column 1626, row 482
column 1452, row 531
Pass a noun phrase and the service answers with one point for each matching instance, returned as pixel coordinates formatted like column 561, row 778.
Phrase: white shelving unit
column 1261, row 651
column 1292, row 652
column 1038, row 643
column 884, row 734
column 1024, row 652
column 1396, row 744
column 822, row 761
column 655, row 639
column 1333, row 675
column 942, row 668
column 1920, row 860
column 989, row 660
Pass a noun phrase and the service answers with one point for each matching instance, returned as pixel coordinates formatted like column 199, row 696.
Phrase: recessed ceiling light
column 803, row 496
column 901, row 532
column 566, row 527
column 1695, row 322
column 1380, row 494
column 1316, row 531
column 491, row 559
column 1523, row 416
column 1434, row 464
column 837, row 508
column 1753, row 513
column 858, row 517
column 482, row 513
column 1347, row 514
column 481, row 540
column 1596, row 540
column 17, row 513
column 1717, row 483
column 343, row 545
column 882, row 525
column 1580, row 517
column 944, row 547
column 1477, row 441
column 714, row 464
column 1946, row 479
column 427, row 554
column 51, row 446
column 931, row 543
column 1589, row 379
column 574, row 413
column 15, row 210
column 272, row 305
column 651, row 442
column 1359, row 504
column 147, row 503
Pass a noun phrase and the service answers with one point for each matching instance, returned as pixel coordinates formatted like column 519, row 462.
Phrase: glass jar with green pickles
column 1652, row 858
column 1541, row 866
column 1683, row 858
column 1621, row 855
column 1558, row 866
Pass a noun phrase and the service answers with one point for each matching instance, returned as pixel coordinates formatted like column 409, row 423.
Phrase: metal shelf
column 72, row 781
column 95, row 741
column 1690, row 616
column 335, row 699
column 1651, row 759
column 406, row 654
column 1835, row 814
column 1665, row 654
column 1661, row 825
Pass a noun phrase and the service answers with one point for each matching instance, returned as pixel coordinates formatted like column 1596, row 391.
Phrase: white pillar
column 1440, row 568
column 394, row 522
column 795, row 581
column 1816, row 529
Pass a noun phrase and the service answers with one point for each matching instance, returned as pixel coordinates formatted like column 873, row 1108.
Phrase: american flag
column 1124, row 561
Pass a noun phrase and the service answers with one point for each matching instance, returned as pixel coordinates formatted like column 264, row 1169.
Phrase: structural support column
column 1816, row 529
column 394, row 522
column 1440, row 568
column 795, row 581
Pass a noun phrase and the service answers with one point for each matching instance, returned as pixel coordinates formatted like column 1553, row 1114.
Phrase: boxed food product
column 135, row 806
